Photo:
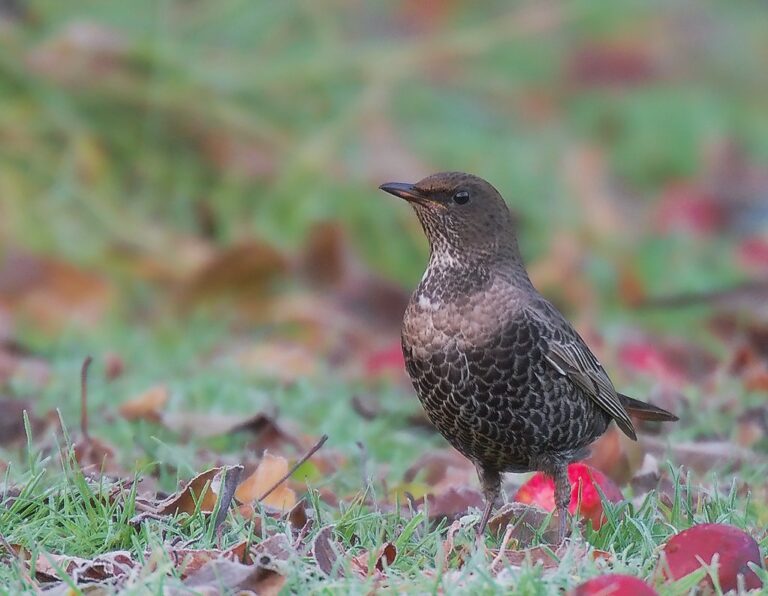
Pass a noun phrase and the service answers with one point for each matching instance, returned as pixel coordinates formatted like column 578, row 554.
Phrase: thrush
column 500, row 372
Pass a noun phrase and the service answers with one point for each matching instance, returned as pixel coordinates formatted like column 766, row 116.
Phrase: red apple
column 685, row 552
column 613, row 584
column 540, row 490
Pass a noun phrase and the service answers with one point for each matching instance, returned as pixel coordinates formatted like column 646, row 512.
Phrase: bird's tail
column 645, row 411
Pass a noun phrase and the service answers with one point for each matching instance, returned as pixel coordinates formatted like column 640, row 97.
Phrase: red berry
column 684, row 553
column 540, row 490
column 614, row 584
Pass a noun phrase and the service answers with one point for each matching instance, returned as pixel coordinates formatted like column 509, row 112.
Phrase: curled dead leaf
column 201, row 493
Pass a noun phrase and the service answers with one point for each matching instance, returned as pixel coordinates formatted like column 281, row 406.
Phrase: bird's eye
column 461, row 197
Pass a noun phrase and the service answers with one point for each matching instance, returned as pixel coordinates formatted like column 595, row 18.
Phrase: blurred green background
column 131, row 124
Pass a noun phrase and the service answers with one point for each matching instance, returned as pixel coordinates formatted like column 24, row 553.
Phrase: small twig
column 305, row 457
column 84, row 398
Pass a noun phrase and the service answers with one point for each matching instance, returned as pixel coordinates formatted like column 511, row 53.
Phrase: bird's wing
column 569, row 355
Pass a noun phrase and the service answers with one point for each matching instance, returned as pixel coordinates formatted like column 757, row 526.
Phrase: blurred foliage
column 121, row 121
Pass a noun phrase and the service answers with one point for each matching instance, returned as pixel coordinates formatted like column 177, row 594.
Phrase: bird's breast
column 435, row 323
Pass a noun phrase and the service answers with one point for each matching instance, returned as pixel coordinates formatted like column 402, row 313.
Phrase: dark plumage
column 499, row 370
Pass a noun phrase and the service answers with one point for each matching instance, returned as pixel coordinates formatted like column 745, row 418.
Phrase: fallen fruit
column 585, row 498
column 613, row 584
column 690, row 549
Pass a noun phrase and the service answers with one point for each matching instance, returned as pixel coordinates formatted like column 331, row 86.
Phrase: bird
column 499, row 371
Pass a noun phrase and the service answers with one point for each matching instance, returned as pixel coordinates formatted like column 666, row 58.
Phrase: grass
column 61, row 511
column 124, row 158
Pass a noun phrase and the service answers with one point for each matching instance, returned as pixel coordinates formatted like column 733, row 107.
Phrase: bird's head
column 462, row 215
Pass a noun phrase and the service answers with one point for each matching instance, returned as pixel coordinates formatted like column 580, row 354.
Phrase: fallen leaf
column 241, row 277
column 108, row 566
column 453, row 502
column 147, row 405
column 326, row 552
column 272, row 552
column 269, row 471
column 222, row 576
column 442, row 469
column 51, row 294
column 527, row 521
column 542, row 555
column 12, row 429
column 189, row 560
column 96, row 456
column 202, row 492
column 367, row 564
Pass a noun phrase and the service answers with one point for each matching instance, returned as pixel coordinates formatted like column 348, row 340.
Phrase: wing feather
column 570, row 356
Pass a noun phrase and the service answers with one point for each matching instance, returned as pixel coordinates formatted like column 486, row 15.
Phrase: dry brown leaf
column 222, row 576
column 96, row 456
column 526, row 521
column 270, row 470
column 52, row 294
column 262, row 572
column 201, row 492
column 108, row 566
column 442, row 469
column 190, row 561
column 539, row 555
column 12, row 421
column 242, row 276
column 326, row 552
column 453, row 502
column 366, row 564
column 146, row 406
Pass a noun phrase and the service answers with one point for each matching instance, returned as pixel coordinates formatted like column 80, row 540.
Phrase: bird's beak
column 405, row 191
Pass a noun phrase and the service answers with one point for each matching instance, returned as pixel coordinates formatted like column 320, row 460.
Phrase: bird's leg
column 562, row 500
column 490, row 481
